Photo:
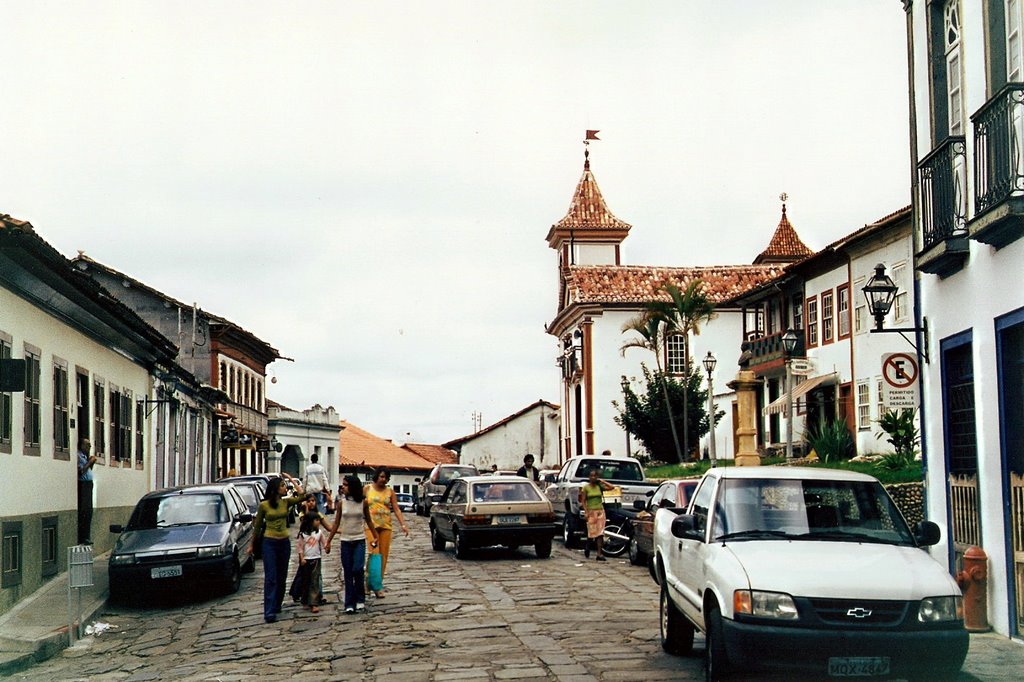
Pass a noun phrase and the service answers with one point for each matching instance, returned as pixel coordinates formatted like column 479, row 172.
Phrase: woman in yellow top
column 381, row 500
column 272, row 523
column 592, row 502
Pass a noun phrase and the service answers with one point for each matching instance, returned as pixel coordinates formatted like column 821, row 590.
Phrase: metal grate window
column 675, row 354
column 961, row 429
column 10, row 562
column 50, row 557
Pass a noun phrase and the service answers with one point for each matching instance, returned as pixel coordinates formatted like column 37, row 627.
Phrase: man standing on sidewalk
column 316, row 482
column 85, row 462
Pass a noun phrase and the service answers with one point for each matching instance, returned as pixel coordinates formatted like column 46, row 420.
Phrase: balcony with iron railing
column 246, row 418
column 943, row 183
column 999, row 168
column 765, row 353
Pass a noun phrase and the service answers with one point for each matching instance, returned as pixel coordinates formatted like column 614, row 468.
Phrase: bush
column 902, row 434
column 831, row 440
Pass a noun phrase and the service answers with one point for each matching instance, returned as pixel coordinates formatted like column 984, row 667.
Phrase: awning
column 778, row 406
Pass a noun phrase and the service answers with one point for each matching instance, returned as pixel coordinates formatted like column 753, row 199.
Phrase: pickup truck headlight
column 941, row 609
column 211, row 552
column 765, row 604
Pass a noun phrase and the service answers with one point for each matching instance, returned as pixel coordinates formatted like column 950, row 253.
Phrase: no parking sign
column 900, row 372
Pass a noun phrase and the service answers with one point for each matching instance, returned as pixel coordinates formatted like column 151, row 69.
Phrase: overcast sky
column 367, row 186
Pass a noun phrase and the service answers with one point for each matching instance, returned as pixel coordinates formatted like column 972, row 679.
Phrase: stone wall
column 909, row 497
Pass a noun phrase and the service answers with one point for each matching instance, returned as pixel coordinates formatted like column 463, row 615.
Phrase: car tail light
column 546, row 517
column 476, row 519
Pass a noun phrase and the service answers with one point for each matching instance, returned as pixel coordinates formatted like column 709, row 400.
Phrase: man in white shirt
column 316, row 482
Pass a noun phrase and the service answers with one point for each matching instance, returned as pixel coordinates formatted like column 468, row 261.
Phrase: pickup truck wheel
column 461, row 551
column 437, row 540
column 676, row 631
column 636, row 557
column 715, row 661
column 569, row 530
column 543, row 549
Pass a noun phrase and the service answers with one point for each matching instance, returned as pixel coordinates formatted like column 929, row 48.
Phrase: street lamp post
column 789, row 340
column 880, row 292
column 709, row 364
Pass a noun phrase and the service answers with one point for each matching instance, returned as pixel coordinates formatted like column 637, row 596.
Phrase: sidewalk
column 37, row 627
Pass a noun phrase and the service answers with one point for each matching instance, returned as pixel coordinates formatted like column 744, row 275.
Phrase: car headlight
column 765, row 604
column 211, row 552
column 121, row 559
column 941, row 609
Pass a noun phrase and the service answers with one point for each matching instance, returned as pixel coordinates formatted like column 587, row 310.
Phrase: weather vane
column 783, row 197
column 591, row 135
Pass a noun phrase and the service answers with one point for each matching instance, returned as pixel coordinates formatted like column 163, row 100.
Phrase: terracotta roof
column 502, row 422
column 438, row 454
column 785, row 246
column 642, row 283
column 361, row 448
column 588, row 209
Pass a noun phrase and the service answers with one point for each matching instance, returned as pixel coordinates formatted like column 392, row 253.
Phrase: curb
column 25, row 653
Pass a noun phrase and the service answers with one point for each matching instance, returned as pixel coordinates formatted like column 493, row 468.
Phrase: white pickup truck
column 811, row 571
column 625, row 473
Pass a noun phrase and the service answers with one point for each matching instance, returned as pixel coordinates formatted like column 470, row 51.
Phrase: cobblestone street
column 497, row 616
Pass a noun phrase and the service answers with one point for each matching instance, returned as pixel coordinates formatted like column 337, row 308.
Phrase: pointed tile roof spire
column 786, row 245
column 588, row 209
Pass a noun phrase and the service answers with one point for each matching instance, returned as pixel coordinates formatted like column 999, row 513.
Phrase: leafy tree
column 646, row 414
column 650, row 329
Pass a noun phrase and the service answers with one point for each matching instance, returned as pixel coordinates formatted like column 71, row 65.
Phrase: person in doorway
column 381, row 500
column 272, row 525
column 592, row 501
column 528, row 470
column 352, row 521
column 316, row 482
column 85, row 464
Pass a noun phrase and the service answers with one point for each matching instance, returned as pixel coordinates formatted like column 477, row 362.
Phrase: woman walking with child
column 351, row 517
column 272, row 526
column 382, row 502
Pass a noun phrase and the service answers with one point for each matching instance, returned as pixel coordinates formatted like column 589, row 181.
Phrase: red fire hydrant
column 973, row 582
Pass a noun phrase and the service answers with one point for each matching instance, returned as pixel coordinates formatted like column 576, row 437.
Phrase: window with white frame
column 860, row 309
column 901, row 305
column 864, row 405
column 812, row 322
column 827, row 329
column 880, row 395
column 798, row 311
column 1014, row 47
column 675, row 354
column 843, row 294
column 954, row 74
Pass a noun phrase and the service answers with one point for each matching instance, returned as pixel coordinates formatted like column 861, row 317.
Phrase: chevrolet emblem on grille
column 859, row 612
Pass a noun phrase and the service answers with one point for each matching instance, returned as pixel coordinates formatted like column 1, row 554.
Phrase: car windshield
column 611, row 470
column 508, row 491
column 854, row 511
column 446, row 474
column 178, row 510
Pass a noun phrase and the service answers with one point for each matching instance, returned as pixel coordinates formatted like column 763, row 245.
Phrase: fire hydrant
column 973, row 582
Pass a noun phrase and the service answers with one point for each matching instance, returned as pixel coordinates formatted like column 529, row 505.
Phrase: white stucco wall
column 506, row 445
column 308, row 430
column 114, row 486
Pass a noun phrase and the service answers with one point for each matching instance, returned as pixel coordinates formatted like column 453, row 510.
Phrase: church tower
column 786, row 246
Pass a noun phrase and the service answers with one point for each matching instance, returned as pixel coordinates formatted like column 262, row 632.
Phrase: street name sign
column 900, row 372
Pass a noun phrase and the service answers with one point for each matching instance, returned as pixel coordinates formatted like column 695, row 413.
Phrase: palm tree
column 650, row 329
column 688, row 309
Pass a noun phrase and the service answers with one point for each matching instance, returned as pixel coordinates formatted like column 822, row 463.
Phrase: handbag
column 374, row 573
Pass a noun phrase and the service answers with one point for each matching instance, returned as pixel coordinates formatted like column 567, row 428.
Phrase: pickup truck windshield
column 845, row 511
column 610, row 470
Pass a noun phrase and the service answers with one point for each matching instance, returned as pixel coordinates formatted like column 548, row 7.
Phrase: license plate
column 858, row 666
column 165, row 572
column 505, row 519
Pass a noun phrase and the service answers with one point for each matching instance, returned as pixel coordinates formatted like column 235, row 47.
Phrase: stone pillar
column 746, row 386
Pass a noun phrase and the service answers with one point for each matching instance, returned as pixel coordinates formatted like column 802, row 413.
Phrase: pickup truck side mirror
column 684, row 526
column 639, row 505
column 927, row 533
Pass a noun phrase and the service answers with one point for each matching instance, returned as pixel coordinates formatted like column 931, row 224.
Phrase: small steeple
column 786, row 245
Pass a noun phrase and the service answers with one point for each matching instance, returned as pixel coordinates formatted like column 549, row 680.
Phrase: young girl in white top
column 309, row 547
column 352, row 515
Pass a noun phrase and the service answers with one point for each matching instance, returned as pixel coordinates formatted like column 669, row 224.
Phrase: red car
column 671, row 493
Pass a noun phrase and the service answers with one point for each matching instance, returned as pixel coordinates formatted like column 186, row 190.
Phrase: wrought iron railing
column 762, row 349
column 943, row 175
column 998, row 133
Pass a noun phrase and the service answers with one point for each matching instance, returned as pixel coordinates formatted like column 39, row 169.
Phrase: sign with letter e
column 900, row 372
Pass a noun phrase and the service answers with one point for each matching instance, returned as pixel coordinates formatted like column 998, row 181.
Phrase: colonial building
column 967, row 133
column 230, row 361
column 300, row 434
column 362, row 453
column 820, row 298
column 533, row 429
column 598, row 294
column 92, row 369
